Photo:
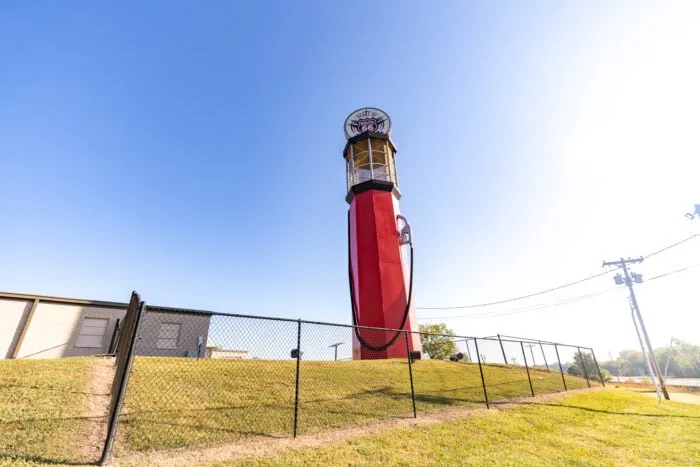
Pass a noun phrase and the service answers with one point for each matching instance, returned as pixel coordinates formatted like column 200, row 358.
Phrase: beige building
column 216, row 351
column 36, row 326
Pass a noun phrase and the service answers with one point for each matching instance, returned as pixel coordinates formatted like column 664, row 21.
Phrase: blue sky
column 192, row 152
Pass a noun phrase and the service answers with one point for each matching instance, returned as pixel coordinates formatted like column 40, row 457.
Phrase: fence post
column 469, row 353
column 561, row 370
column 600, row 373
column 505, row 360
column 481, row 371
column 410, row 374
column 583, row 365
column 532, row 390
column 122, row 384
column 296, row 387
column 544, row 357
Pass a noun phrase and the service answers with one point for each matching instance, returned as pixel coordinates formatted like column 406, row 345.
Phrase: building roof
column 98, row 303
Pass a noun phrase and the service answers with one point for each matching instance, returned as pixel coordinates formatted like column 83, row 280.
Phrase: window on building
column 92, row 332
column 168, row 336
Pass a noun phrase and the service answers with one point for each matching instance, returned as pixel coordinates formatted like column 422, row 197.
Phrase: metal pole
column 410, row 375
column 561, row 370
column 505, row 360
column 532, row 390
column 122, row 385
column 583, row 365
column 481, row 372
column 466, row 343
column 296, row 390
column 533, row 355
column 335, row 348
column 652, row 357
column 600, row 373
column 544, row 357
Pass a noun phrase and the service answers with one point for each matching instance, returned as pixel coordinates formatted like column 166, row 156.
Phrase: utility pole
column 628, row 281
column 335, row 347
column 645, row 354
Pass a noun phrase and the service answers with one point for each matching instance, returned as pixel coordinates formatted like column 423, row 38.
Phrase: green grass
column 176, row 402
column 43, row 410
column 609, row 427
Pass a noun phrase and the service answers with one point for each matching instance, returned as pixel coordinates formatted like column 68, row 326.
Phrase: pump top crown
column 367, row 119
column 369, row 153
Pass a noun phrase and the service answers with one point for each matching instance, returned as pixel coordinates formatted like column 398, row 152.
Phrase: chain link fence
column 190, row 379
column 255, row 377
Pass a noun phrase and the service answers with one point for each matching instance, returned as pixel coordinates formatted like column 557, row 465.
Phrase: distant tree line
column 576, row 368
column 683, row 361
column 438, row 344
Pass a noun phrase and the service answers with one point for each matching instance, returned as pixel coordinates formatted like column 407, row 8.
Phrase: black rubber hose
column 351, row 281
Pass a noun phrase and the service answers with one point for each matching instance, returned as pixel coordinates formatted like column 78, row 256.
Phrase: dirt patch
column 266, row 447
column 97, row 404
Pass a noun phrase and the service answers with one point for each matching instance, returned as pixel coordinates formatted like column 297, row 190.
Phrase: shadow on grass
column 609, row 412
column 97, row 418
column 439, row 397
column 199, row 426
column 34, row 460
column 275, row 420
column 10, row 387
column 29, row 440
column 315, row 413
column 138, row 413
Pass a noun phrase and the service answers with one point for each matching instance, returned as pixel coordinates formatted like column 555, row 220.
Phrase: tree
column 577, row 369
column 683, row 361
column 437, row 341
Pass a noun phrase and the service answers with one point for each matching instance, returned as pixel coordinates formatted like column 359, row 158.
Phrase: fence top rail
column 350, row 326
column 533, row 341
column 537, row 341
column 326, row 323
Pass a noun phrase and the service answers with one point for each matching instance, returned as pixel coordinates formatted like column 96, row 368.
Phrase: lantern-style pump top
column 370, row 153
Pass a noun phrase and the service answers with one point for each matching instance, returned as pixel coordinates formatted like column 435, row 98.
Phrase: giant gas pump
column 380, row 242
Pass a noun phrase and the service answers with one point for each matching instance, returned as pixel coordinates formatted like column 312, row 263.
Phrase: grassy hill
column 43, row 410
column 610, row 427
column 45, row 413
column 185, row 402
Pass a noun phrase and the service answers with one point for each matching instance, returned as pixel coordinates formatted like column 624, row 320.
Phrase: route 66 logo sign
column 367, row 119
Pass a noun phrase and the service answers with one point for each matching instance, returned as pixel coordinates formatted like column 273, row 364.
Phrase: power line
column 672, row 272
column 562, row 302
column 478, row 305
column 508, row 300
column 671, row 246
column 528, row 309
